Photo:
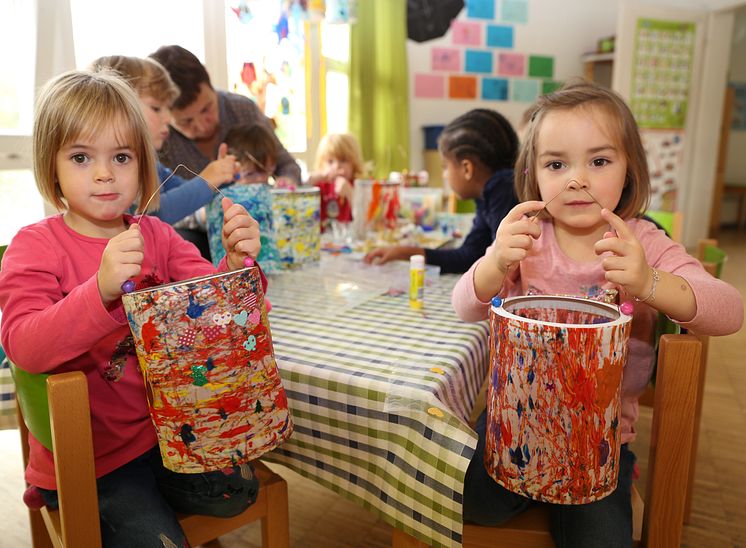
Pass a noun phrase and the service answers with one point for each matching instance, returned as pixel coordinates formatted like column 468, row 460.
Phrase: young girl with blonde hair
column 60, row 294
column 339, row 161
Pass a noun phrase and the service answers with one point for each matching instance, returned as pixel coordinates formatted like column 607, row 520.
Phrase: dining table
column 380, row 392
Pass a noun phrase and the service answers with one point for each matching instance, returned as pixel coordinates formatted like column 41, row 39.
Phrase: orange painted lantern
column 553, row 405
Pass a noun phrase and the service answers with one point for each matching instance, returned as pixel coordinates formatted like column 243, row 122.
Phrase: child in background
column 339, row 162
column 582, row 169
column 255, row 148
column 180, row 197
column 93, row 158
column 478, row 150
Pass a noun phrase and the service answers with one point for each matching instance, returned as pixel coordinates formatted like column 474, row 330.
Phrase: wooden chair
column 658, row 520
column 76, row 522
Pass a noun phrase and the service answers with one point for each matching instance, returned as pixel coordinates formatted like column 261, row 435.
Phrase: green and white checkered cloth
column 380, row 396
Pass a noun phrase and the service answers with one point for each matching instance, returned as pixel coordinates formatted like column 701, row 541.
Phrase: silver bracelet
column 651, row 296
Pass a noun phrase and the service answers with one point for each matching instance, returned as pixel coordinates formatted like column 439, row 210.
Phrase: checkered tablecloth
column 380, row 396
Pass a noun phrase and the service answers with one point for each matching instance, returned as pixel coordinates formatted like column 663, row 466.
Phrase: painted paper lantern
column 375, row 207
column 205, row 351
column 257, row 199
column 553, row 404
column 297, row 226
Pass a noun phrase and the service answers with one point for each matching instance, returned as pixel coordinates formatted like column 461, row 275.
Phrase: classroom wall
column 736, row 166
column 562, row 31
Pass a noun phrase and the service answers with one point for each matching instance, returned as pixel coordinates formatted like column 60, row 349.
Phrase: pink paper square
column 511, row 64
column 446, row 59
column 429, row 86
column 466, row 33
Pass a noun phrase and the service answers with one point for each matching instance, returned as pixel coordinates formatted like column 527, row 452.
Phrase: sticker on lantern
column 205, row 351
column 553, row 402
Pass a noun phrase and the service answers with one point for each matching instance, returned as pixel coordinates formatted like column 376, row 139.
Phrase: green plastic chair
column 31, row 394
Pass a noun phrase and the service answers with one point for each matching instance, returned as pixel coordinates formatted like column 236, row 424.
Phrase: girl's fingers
column 524, row 208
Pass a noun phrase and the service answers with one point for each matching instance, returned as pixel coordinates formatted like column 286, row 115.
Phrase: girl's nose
column 576, row 185
column 103, row 175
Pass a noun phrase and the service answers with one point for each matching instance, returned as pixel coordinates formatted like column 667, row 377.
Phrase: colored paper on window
column 462, row 87
column 429, row 86
column 446, row 59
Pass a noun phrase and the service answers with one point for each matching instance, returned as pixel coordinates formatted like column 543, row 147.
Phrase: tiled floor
column 321, row 518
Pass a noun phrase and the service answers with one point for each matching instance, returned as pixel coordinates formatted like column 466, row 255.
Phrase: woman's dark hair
column 187, row 72
column 252, row 141
column 481, row 134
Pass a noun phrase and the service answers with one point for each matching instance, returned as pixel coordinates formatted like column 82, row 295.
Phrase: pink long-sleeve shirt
column 547, row 270
column 54, row 321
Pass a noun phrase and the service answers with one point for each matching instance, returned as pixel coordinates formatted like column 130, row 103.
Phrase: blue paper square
column 514, row 11
column 478, row 61
column 525, row 91
column 495, row 89
column 480, row 9
column 499, row 36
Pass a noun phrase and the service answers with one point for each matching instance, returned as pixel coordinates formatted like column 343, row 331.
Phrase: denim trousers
column 606, row 523
column 138, row 502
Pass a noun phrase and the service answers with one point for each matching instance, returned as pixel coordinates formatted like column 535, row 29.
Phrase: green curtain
column 379, row 98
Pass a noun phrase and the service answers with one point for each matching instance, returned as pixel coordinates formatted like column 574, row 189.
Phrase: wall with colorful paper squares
column 501, row 54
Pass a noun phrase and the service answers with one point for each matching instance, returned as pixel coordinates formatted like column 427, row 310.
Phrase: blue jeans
column 138, row 502
column 605, row 523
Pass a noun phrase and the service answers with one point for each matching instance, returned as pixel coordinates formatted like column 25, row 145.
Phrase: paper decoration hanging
column 257, row 199
column 553, row 402
column 296, row 220
column 205, row 351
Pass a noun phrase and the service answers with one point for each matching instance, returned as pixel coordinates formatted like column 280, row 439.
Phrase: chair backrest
column 711, row 256
column 670, row 221
column 31, row 394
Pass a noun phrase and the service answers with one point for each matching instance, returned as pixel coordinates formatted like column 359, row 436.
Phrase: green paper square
column 548, row 86
column 540, row 67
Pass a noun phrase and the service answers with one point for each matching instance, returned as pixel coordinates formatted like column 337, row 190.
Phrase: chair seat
column 271, row 501
column 531, row 529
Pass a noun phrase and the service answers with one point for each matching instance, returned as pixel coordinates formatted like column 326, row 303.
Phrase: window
column 135, row 27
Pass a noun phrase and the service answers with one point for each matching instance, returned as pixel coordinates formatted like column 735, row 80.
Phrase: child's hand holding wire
column 624, row 260
column 515, row 235
column 121, row 261
column 240, row 234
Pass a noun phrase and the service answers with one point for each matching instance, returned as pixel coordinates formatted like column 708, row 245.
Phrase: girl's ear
column 467, row 169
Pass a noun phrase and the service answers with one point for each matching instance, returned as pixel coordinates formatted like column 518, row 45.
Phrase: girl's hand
column 223, row 170
column 343, row 188
column 121, row 260
column 383, row 255
column 515, row 236
column 626, row 265
column 240, row 234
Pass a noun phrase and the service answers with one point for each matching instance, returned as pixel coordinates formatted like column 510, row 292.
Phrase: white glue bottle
column 416, row 281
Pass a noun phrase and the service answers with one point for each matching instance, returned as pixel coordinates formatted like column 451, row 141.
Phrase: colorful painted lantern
column 553, row 404
column 257, row 199
column 297, row 226
column 375, row 207
column 205, row 351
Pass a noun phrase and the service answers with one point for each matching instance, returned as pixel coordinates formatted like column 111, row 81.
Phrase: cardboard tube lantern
column 553, row 403
column 205, row 351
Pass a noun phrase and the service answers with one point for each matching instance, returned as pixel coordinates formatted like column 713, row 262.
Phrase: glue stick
column 416, row 281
